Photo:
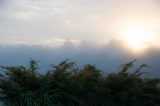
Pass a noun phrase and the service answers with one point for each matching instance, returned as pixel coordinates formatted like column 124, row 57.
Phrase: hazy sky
column 51, row 21
column 117, row 24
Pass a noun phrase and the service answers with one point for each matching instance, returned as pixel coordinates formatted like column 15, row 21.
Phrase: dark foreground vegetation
column 66, row 85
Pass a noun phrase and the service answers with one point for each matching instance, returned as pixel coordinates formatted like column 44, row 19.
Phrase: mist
column 108, row 57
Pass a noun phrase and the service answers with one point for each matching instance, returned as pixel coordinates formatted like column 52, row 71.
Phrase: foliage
column 66, row 85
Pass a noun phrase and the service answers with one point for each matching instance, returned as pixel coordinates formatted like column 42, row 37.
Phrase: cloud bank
column 107, row 57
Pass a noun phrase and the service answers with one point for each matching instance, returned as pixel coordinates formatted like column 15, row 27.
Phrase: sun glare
column 136, row 37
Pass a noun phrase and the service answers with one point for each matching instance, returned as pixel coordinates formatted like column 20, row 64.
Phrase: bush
column 67, row 85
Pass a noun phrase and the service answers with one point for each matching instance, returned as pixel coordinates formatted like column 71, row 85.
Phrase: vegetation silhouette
column 67, row 85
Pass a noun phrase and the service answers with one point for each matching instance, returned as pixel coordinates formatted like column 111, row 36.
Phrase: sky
column 50, row 22
column 107, row 33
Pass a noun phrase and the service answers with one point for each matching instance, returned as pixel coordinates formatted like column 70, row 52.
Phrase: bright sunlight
column 137, row 37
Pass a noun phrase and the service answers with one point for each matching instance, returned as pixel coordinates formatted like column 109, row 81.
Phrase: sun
column 136, row 37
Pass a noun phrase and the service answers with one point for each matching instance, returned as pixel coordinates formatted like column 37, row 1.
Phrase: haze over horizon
column 108, row 58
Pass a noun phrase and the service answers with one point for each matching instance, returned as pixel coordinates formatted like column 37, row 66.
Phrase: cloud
column 82, row 19
column 107, row 58
column 87, row 23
